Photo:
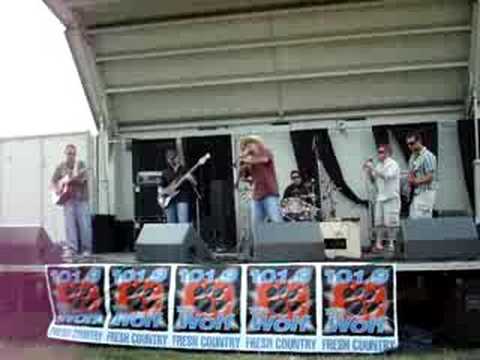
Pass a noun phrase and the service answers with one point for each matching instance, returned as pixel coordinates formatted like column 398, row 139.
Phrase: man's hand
column 416, row 181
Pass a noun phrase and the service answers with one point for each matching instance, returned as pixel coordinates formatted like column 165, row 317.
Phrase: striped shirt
column 422, row 164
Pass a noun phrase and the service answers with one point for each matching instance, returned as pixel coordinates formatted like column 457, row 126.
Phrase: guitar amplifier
column 342, row 238
column 152, row 178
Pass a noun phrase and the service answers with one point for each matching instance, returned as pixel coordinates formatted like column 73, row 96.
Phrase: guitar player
column 71, row 180
column 178, row 211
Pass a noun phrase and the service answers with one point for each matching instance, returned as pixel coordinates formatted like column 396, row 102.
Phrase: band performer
column 70, row 180
column 257, row 166
column 298, row 188
column 422, row 168
column 386, row 175
column 178, row 211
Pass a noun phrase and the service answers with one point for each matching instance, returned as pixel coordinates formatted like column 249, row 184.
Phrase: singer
column 386, row 175
column 257, row 167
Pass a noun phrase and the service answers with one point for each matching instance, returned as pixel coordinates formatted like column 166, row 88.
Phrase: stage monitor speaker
column 27, row 245
column 292, row 241
column 166, row 243
column 440, row 238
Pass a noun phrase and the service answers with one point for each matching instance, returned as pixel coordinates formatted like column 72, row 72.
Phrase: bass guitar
column 167, row 194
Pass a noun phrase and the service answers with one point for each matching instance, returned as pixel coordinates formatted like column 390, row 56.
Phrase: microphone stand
column 198, row 197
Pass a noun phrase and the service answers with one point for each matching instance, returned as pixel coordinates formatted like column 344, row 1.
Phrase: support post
column 472, row 103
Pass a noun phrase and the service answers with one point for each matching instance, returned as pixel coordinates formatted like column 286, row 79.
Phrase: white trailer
column 27, row 165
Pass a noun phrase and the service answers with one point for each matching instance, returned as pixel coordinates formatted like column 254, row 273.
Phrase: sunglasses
column 411, row 143
column 381, row 152
column 295, row 177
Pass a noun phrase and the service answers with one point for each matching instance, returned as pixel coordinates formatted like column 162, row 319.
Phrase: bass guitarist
column 178, row 210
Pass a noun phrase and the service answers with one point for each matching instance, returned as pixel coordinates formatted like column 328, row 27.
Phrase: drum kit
column 299, row 208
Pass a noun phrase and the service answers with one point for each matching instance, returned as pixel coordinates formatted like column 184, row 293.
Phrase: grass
column 61, row 351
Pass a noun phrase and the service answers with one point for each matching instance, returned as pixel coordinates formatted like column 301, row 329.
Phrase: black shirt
column 297, row 191
column 169, row 175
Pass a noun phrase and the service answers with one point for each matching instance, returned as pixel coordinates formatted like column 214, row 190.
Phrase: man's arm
column 420, row 180
column 255, row 159
column 57, row 175
column 389, row 172
column 81, row 175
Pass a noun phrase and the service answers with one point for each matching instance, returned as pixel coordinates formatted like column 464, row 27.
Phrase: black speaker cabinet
column 169, row 243
column 27, row 244
column 292, row 241
column 440, row 238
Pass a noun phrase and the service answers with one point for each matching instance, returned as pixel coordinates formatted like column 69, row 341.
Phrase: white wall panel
column 377, row 51
column 124, row 191
column 452, row 194
column 201, row 102
column 375, row 90
column 394, row 14
column 21, row 182
column 194, row 66
column 183, row 36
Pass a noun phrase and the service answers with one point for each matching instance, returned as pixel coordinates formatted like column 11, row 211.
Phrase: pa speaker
column 27, row 244
column 167, row 243
column 292, row 241
column 440, row 238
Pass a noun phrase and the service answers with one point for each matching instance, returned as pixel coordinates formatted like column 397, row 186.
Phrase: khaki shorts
column 387, row 213
column 422, row 205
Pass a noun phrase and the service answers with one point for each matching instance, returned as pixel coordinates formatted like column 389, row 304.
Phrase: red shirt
column 263, row 177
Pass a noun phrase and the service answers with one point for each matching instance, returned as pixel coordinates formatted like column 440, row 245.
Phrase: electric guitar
column 168, row 193
column 63, row 189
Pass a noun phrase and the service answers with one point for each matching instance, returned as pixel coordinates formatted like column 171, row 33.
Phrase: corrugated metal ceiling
column 101, row 13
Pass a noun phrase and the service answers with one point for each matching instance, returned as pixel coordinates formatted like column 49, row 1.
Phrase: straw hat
column 250, row 139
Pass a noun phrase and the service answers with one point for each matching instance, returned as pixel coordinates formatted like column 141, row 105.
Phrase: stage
column 401, row 265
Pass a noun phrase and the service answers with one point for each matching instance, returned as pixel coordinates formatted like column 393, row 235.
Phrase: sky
column 40, row 88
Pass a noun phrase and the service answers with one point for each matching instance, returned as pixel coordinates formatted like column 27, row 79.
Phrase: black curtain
column 466, row 139
column 303, row 142
column 215, row 184
column 326, row 154
column 380, row 135
column 429, row 132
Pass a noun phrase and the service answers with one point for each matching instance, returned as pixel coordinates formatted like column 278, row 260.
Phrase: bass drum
column 295, row 209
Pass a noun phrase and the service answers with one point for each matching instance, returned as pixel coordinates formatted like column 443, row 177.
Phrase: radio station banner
column 295, row 308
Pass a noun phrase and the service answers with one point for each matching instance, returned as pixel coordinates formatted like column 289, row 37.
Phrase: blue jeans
column 78, row 226
column 268, row 207
column 178, row 212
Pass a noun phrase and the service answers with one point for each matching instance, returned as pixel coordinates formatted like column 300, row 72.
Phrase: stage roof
column 101, row 13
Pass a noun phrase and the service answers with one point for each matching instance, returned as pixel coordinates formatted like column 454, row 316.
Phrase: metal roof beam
column 283, row 77
column 275, row 43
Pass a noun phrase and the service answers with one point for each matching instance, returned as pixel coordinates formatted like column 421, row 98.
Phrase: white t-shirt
column 388, row 186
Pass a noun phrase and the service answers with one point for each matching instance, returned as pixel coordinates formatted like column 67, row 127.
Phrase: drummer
column 297, row 189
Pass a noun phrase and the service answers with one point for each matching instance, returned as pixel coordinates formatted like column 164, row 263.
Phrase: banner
column 296, row 308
